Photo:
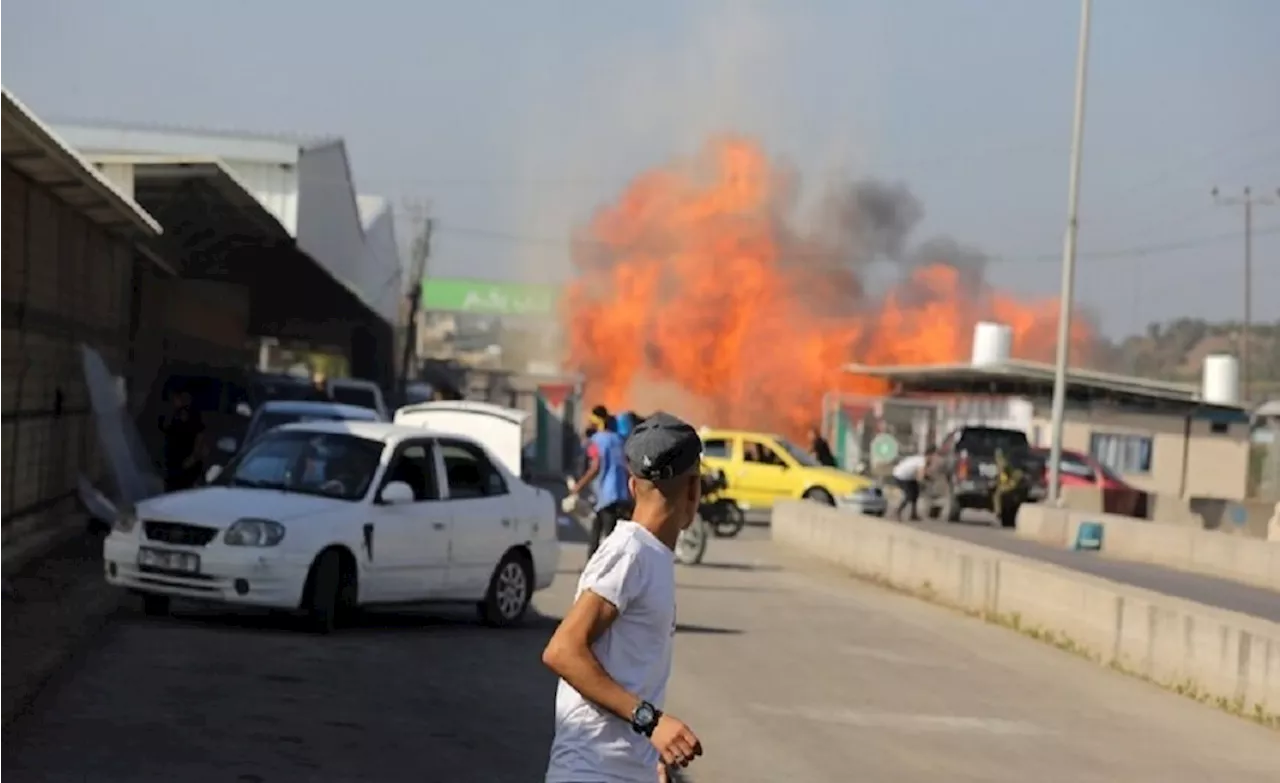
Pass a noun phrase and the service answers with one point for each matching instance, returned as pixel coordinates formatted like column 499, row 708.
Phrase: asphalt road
column 789, row 672
column 1223, row 593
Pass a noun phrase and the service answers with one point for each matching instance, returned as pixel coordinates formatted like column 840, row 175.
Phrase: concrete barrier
column 1241, row 559
column 1201, row 650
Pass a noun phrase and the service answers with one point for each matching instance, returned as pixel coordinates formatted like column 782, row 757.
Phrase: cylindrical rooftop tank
column 991, row 343
column 1221, row 383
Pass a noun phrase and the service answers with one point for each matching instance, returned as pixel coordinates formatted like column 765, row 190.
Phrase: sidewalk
column 52, row 608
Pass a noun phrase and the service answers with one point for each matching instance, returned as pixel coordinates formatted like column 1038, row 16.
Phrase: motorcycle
column 691, row 546
column 725, row 517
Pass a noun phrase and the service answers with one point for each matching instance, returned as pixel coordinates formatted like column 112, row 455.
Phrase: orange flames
column 694, row 294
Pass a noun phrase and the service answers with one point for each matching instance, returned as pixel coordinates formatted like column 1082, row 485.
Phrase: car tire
column 155, row 605
column 819, row 495
column 329, row 592
column 510, row 591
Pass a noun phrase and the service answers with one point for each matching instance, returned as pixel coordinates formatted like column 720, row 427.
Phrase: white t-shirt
column 909, row 468
column 635, row 572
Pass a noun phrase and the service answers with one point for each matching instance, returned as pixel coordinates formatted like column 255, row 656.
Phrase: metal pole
column 1247, row 200
column 1069, row 259
column 1248, row 303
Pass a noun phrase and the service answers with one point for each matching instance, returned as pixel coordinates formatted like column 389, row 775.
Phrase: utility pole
column 1247, row 200
column 1069, row 259
column 418, row 255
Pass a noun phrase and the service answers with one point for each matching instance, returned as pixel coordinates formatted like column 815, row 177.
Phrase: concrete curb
column 58, row 605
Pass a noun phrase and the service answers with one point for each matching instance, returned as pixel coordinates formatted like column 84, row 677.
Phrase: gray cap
column 662, row 447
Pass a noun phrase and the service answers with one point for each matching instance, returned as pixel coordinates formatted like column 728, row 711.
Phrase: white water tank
column 1221, row 384
column 991, row 343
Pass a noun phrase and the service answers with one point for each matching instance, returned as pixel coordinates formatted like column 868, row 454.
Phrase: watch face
column 644, row 715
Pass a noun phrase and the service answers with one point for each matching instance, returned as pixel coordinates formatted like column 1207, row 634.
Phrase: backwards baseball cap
column 662, row 447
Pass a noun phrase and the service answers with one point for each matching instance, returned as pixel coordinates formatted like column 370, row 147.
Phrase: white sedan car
column 327, row 516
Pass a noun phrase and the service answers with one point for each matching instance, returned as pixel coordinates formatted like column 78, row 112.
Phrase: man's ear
column 631, row 485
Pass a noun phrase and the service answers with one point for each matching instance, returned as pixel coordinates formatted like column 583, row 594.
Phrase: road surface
column 1223, row 593
column 789, row 671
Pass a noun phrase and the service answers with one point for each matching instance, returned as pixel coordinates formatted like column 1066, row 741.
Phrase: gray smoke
column 868, row 220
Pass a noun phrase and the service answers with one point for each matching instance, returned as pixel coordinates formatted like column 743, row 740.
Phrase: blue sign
column 1089, row 536
column 1239, row 515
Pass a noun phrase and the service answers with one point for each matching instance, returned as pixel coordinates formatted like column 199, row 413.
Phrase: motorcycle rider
column 607, row 475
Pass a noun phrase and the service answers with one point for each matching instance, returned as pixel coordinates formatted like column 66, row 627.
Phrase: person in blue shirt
column 626, row 423
column 607, row 475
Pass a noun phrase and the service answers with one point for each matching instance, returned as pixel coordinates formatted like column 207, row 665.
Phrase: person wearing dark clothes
column 183, row 432
column 319, row 391
column 820, row 449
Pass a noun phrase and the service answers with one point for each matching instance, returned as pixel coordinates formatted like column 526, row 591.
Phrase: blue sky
column 517, row 119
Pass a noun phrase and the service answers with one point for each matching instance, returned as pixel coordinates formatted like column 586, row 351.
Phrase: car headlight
column 125, row 522
column 254, row 532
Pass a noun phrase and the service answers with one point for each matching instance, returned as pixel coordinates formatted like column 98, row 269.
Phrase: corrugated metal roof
column 33, row 148
column 285, row 137
column 1035, row 372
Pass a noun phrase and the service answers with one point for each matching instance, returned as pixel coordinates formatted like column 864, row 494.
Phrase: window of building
column 1122, row 453
column 1219, row 428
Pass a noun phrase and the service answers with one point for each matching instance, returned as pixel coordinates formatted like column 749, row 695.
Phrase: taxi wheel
column 819, row 495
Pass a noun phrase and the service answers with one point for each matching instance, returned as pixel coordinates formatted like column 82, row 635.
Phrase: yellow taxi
column 762, row 468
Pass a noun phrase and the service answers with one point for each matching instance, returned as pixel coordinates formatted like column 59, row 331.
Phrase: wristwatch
column 644, row 719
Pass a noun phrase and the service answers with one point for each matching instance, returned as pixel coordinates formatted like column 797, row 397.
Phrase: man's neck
column 662, row 525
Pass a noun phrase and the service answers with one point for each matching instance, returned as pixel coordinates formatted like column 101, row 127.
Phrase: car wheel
column 510, row 591
column 155, row 605
column 329, row 593
column 819, row 495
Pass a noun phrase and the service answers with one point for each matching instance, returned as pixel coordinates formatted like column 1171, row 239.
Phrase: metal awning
column 1033, row 378
column 33, row 149
column 207, row 212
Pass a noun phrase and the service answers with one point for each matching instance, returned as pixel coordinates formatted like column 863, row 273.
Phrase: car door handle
column 506, row 523
column 438, row 525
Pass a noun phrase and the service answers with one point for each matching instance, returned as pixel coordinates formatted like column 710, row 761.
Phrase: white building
column 302, row 185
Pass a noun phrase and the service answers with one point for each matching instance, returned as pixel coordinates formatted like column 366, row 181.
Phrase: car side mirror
column 243, row 409
column 396, row 493
column 227, row 444
column 212, row 473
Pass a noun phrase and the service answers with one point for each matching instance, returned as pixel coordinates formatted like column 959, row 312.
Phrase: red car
column 1076, row 469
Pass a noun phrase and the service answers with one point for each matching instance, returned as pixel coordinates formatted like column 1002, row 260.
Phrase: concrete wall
column 1214, row 652
column 1208, row 464
column 1247, row 560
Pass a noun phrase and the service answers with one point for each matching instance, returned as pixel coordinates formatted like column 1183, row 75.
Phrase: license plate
column 181, row 562
column 988, row 471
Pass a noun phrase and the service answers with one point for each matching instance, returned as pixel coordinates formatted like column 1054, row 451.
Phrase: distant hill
column 1175, row 351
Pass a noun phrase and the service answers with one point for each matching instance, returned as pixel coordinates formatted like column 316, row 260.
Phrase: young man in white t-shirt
column 909, row 474
column 612, row 651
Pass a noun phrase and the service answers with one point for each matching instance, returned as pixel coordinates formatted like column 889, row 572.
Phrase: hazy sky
column 514, row 119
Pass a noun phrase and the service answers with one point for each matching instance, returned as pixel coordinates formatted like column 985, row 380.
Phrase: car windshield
column 1109, row 473
column 798, row 454
column 335, row 465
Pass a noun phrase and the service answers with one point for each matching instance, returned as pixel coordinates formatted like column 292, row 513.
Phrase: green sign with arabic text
column 478, row 296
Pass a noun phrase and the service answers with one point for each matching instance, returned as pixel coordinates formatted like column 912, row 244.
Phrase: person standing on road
column 607, row 475
column 612, row 651
column 184, row 445
column 909, row 474
column 820, row 449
